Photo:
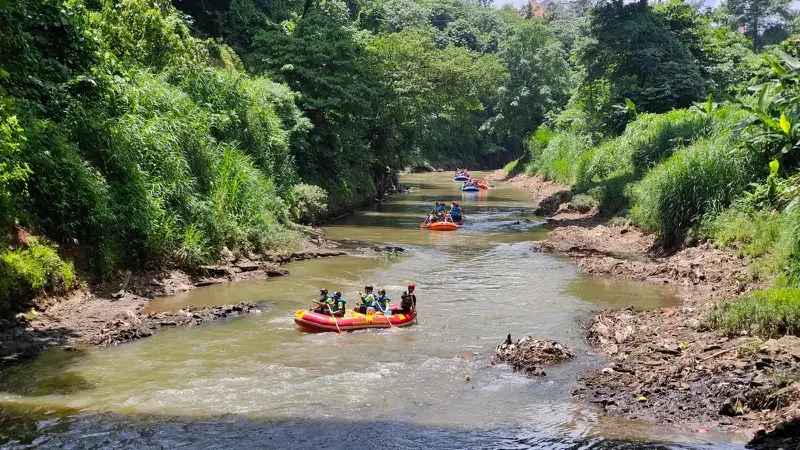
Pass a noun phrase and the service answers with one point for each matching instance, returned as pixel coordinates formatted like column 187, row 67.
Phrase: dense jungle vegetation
column 135, row 133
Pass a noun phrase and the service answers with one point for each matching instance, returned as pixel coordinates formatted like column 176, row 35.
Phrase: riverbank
column 665, row 365
column 113, row 312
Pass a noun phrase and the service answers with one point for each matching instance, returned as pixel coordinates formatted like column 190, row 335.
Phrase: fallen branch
column 721, row 352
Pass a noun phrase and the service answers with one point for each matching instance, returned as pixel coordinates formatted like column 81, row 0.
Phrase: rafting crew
column 330, row 305
column 371, row 303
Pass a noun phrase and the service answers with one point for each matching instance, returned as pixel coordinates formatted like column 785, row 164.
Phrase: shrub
column 768, row 313
column 702, row 178
column 583, row 203
column 307, row 203
column 25, row 273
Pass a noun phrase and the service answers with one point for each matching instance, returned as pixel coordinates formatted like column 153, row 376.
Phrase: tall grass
column 702, row 178
column 605, row 170
column 32, row 270
column 564, row 157
column 772, row 235
column 770, row 313
column 166, row 178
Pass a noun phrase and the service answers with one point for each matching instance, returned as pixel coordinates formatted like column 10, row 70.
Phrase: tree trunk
column 756, row 39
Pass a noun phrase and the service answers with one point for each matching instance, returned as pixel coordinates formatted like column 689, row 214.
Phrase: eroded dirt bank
column 665, row 365
column 112, row 312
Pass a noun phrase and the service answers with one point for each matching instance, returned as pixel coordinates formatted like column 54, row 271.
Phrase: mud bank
column 665, row 365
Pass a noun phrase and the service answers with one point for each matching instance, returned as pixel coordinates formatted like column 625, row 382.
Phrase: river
column 259, row 382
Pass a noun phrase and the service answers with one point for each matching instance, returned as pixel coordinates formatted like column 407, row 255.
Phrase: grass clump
column 582, row 203
column 769, row 313
column 511, row 167
column 27, row 272
column 770, row 234
column 702, row 178
column 751, row 232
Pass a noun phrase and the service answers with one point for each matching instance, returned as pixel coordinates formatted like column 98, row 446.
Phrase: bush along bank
column 704, row 199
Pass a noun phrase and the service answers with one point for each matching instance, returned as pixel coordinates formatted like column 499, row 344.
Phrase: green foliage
column 774, row 125
column 702, row 178
column 749, row 231
column 725, row 57
column 564, row 159
column 307, row 203
column 430, row 96
column 632, row 49
column 537, row 85
column 13, row 172
column 767, row 233
column 770, row 313
column 28, row 272
column 752, row 15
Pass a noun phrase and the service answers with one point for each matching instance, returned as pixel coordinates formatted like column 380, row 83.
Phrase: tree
column 431, row 94
column 724, row 57
column 537, row 85
column 322, row 57
column 632, row 48
column 756, row 16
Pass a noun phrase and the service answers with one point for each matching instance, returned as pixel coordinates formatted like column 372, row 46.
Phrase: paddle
column 422, row 225
column 378, row 304
column 334, row 318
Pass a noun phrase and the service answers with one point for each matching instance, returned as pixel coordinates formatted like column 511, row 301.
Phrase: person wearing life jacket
column 408, row 301
column 322, row 302
column 337, row 305
column 367, row 301
column 382, row 303
column 455, row 211
column 439, row 208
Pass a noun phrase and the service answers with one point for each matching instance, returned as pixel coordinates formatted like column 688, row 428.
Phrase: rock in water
column 528, row 355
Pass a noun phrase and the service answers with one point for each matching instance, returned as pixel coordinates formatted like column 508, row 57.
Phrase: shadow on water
column 46, row 376
column 42, row 428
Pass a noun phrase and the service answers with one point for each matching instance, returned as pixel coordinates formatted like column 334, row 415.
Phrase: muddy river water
column 259, row 382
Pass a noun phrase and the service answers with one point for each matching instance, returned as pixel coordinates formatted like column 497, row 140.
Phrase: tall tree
column 537, row 85
column 756, row 16
column 632, row 48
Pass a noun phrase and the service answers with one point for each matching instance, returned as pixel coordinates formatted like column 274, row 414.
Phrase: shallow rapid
column 259, row 382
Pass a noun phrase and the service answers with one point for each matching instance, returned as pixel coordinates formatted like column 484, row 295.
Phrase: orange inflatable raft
column 321, row 322
column 442, row 226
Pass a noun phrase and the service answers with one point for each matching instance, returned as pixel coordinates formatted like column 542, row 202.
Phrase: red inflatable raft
column 321, row 322
column 442, row 226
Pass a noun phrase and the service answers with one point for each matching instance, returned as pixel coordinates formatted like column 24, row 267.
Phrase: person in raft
column 337, row 308
column 408, row 301
column 382, row 302
column 322, row 302
column 367, row 301
column 439, row 208
column 455, row 209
